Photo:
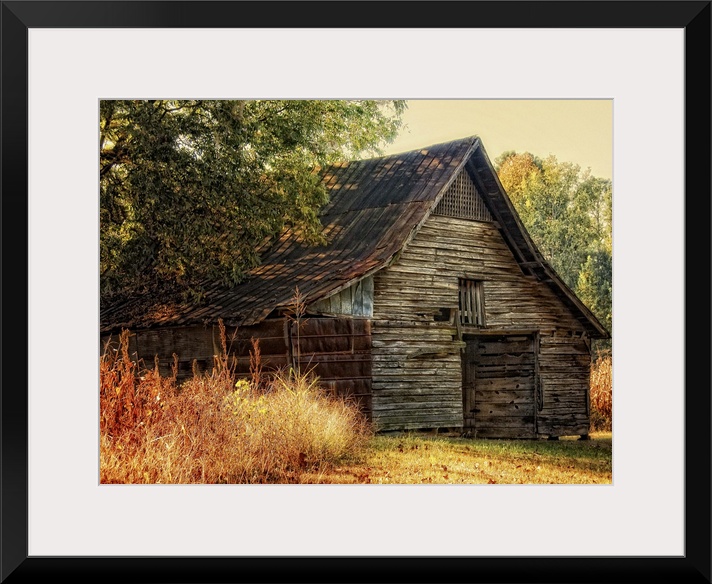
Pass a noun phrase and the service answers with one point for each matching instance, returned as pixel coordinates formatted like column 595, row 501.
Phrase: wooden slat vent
column 472, row 303
column 463, row 201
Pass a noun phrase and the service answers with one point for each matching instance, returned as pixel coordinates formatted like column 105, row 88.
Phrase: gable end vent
column 462, row 200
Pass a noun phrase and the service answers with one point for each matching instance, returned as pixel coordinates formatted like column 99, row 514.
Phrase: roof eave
column 528, row 253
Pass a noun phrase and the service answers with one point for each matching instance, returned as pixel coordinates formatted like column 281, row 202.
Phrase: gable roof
column 375, row 207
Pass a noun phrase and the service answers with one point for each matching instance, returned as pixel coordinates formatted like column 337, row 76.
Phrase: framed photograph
column 650, row 60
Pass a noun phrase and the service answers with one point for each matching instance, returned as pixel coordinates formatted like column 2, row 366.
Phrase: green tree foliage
column 568, row 213
column 190, row 190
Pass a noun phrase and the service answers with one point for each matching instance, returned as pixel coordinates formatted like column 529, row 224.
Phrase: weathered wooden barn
column 430, row 304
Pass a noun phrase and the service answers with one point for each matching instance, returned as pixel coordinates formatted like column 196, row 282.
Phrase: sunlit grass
column 423, row 459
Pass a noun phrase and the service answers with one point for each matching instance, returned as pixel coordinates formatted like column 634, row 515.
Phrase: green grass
column 430, row 459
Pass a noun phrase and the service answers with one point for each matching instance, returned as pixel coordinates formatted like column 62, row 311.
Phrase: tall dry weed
column 214, row 428
column 129, row 395
column 602, row 393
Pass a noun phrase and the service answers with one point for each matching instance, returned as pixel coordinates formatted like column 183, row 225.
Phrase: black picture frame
column 19, row 16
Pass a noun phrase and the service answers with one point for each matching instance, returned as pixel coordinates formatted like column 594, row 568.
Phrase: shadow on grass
column 565, row 461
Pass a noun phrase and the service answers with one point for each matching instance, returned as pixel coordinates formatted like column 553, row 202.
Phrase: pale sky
column 573, row 130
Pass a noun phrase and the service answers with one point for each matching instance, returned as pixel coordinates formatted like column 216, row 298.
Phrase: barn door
column 499, row 381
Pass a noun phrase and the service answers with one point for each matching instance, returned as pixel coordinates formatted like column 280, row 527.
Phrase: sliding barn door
column 499, row 386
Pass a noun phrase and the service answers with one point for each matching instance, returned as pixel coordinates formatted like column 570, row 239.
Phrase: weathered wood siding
column 417, row 375
column 337, row 350
column 356, row 300
column 500, row 379
column 197, row 344
column 565, row 371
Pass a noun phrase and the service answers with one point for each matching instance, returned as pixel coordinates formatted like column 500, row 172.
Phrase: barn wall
column 337, row 350
column 417, row 376
column 190, row 343
column 356, row 300
column 565, row 370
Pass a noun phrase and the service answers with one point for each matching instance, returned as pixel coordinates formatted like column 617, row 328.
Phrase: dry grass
column 216, row 429
column 602, row 394
column 421, row 459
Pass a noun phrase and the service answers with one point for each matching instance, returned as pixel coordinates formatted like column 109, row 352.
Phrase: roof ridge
column 471, row 139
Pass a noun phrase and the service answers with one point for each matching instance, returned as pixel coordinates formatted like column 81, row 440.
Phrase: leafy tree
column 191, row 189
column 516, row 171
column 568, row 213
column 594, row 286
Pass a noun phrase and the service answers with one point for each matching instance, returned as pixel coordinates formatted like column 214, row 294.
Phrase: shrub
column 602, row 394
